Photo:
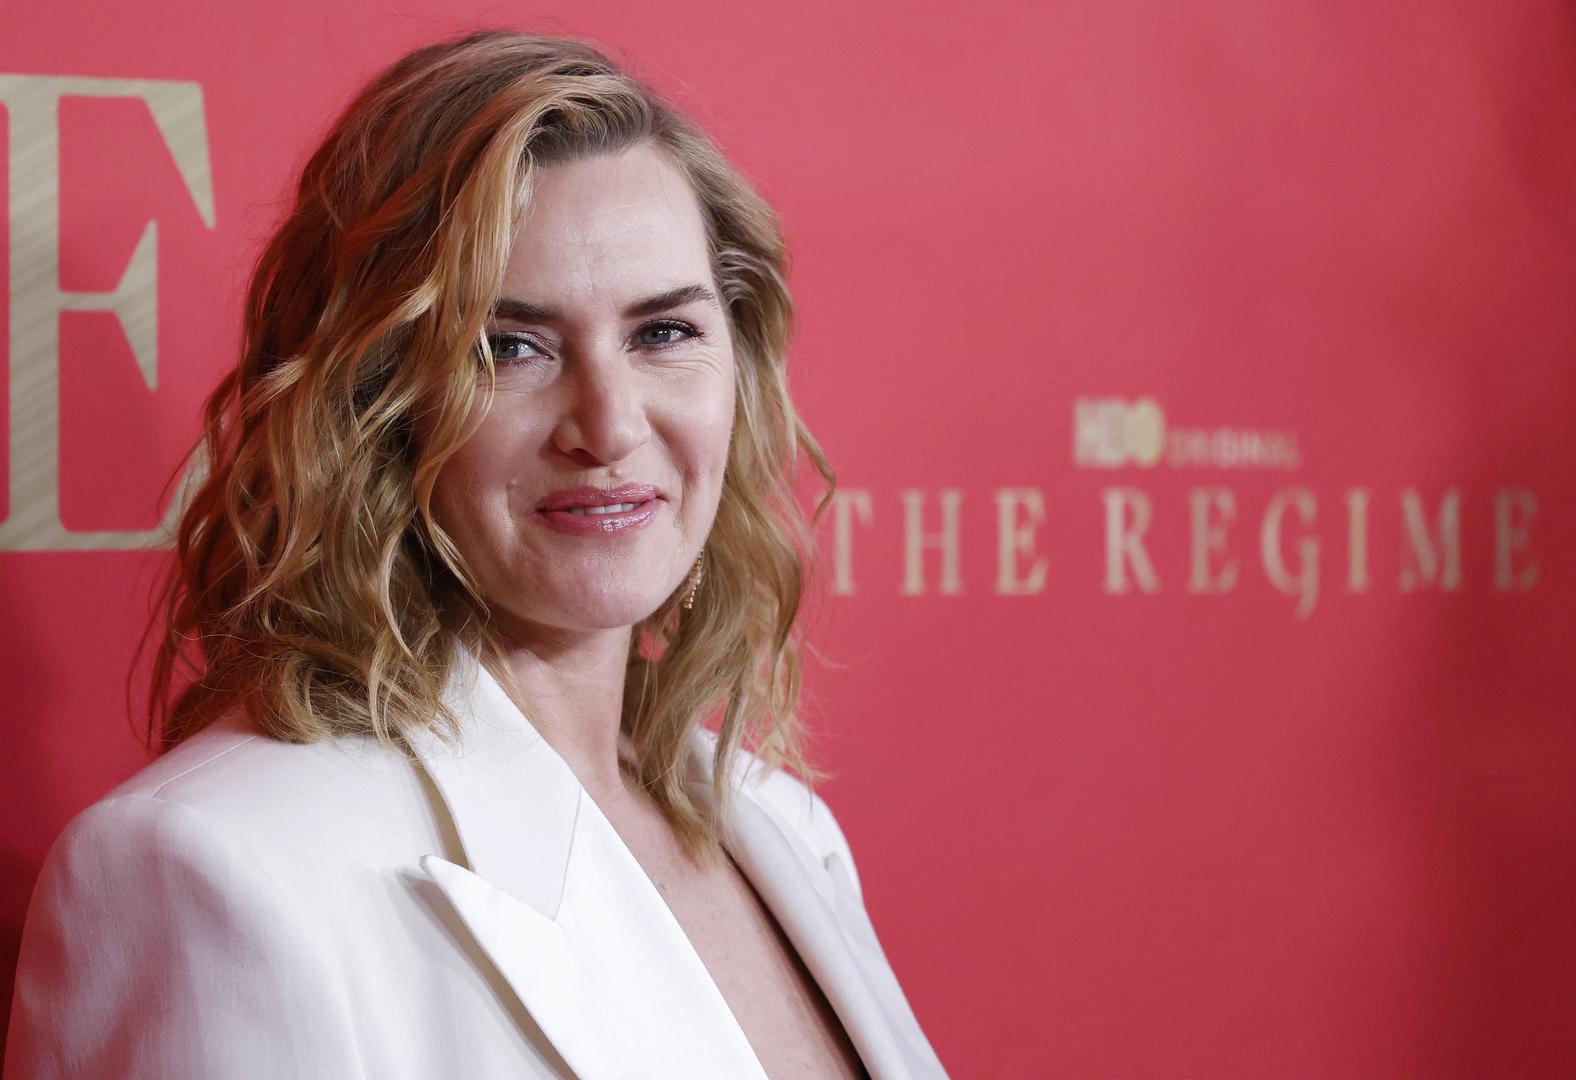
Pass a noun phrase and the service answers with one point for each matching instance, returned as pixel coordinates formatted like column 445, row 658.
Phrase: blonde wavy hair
column 310, row 584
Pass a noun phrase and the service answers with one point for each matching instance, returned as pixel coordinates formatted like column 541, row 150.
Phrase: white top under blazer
column 245, row 907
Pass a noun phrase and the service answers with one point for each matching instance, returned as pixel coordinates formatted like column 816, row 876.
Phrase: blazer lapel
column 564, row 910
column 566, row 913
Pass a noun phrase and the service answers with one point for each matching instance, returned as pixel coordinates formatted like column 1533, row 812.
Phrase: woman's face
column 586, row 494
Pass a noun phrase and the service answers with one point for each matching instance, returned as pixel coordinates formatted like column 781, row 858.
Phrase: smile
column 596, row 511
column 600, row 521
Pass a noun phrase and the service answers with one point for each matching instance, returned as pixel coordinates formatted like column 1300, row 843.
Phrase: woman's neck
column 573, row 684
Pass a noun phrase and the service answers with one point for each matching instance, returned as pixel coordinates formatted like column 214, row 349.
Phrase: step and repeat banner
column 1194, row 653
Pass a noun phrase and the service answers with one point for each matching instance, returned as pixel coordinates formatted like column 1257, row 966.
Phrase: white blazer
column 244, row 907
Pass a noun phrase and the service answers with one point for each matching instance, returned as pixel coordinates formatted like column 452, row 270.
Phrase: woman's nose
column 604, row 418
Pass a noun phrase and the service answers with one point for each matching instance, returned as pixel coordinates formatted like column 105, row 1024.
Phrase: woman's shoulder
column 231, row 757
column 262, row 798
column 199, row 751
column 146, row 908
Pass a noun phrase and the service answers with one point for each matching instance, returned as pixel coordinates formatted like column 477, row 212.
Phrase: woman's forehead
column 628, row 220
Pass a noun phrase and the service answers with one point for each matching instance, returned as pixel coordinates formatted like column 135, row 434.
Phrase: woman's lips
column 587, row 511
column 564, row 498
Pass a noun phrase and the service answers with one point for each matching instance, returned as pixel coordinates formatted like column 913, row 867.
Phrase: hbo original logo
column 1109, row 433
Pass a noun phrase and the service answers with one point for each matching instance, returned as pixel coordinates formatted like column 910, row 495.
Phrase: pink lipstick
column 591, row 511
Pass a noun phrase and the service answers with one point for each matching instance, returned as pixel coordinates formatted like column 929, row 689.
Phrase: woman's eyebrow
column 509, row 307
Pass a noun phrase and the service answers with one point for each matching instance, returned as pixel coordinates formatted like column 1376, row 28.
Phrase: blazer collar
column 563, row 909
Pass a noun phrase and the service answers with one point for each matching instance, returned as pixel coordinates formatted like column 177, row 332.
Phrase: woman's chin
column 590, row 614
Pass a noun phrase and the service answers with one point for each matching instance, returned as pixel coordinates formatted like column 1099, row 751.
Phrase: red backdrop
column 1200, row 378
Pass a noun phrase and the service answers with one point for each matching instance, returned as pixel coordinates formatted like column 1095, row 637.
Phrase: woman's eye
column 666, row 334
column 507, row 347
column 510, row 347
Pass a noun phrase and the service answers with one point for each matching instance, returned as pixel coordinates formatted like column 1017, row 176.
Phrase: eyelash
column 505, row 336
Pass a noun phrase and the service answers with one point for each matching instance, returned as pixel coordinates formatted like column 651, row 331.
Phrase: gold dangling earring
column 696, row 574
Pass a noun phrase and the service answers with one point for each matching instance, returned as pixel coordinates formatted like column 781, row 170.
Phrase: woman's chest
column 791, row 1026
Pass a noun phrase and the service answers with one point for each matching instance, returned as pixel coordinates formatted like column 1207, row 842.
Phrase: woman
column 497, row 512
